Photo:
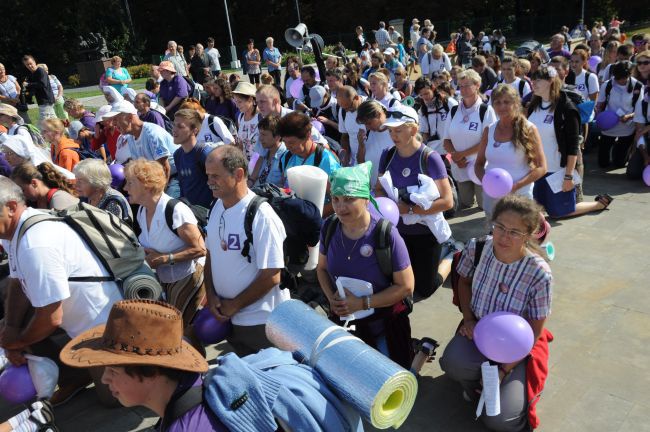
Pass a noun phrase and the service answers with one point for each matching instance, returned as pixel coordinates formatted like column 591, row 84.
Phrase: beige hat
column 245, row 88
column 11, row 111
column 138, row 332
column 167, row 65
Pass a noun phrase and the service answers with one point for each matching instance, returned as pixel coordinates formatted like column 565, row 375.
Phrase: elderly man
column 41, row 297
column 243, row 288
column 394, row 35
column 557, row 47
column 201, row 65
column 176, row 58
column 382, row 37
column 146, row 140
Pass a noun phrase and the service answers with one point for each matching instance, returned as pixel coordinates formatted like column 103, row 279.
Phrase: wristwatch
column 171, row 259
column 410, row 210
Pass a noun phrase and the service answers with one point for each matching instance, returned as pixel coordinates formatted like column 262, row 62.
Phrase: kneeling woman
column 351, row 250
column 511, row 276
column 176, row 252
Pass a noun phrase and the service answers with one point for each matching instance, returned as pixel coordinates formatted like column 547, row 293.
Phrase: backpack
column 636, row 91
column 37, row 138
column 228, row 122
column 572, row 94
column 193, row 90
column 481, row 111
column 200, row 213
column 573, row 78
column 301, row 220
column 84, row 151
column 444, row 108
column 455, row 277
column 169, row 124
column 318, row 157
column 109, row 238
column 522, row 86
column 424, row 165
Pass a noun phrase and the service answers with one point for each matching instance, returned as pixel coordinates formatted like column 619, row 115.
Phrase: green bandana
column 353, row 182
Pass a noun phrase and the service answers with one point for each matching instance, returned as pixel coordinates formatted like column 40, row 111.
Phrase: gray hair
column 10, row 191
column 437, row 48
column 471, row 75
column 96, row 172
column 231, row 158
column 172, row 43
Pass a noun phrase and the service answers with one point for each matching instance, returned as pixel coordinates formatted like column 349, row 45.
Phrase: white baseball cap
column 317, row 96
column 122, row 107
column 399, row 114
column 102, row 111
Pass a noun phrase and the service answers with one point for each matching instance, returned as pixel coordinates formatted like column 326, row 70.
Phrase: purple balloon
column 16, row 385
column 295, row 90
column 593, row 62
column 606, row 120
column 388, row 209
column 117, row 172
column 504, row 337
column 373, row 210
column 497, row 182
column 210, row 330
column 646, row 175
column 318, row 125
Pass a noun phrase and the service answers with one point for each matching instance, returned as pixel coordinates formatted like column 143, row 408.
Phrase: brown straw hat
column 138, row 332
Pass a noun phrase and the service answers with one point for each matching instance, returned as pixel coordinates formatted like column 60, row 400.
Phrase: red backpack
column 455, row 277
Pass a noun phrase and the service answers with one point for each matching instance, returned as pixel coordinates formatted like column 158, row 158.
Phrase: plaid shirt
column 383, row 38
column 523, row 287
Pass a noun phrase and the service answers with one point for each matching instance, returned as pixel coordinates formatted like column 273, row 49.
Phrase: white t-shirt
column 287, row 91
column 430, row 65
column 214, row 55
column 160, row 238
column 207, row 136
column 388, row 101
column 349, row 125
column 604, row 73
column 122, row 151
column 376, row 143
column 248, row 134
column 639, row 115
column 231, row 271
column 49, row 253
column 588, row 87
column 543, row 119
column 466, row 134
column 620, row 100
column 435, row 124
column 515, row 85
column 508, row 157
column 8, row 88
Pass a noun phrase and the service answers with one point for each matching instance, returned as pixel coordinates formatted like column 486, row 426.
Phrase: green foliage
column 74, row 80
column 139, row 71
column 307, row 58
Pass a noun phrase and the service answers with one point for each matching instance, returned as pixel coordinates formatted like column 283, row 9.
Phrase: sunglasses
column 643, row 62
column 399, row 115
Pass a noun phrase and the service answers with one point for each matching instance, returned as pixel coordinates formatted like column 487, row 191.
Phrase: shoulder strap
column 251, row 211
column 390, row 154
column 424, row 159
column 392, row 102
column 608, row 90
column 383, row 249
column 644, row 110
column 478, row 251
column 30, row 222
column 453, row 110
column 179, row 407
column 522, row 86
column 587, row 73
column 169, row 214
column 121, row 203
column 481, row 111
column 50, row 194
column 285, row 160
column 212, row 128
column 318, row 154
column 330, row 228
column 636, row 93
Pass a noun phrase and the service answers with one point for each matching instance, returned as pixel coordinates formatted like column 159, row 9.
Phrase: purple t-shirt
column 153, row 116
column 404, row 172
column 226, row 109
column 88, row 120
column 200, row 418
column 177, row 87
column 564, row 53
column 363, row 262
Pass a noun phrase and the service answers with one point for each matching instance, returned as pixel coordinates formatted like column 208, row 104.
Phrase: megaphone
column 296, row 36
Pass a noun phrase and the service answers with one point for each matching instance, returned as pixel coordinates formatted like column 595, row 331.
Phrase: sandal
column 604, row 199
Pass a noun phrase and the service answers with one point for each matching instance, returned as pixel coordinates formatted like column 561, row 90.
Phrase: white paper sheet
column 359, row 288
column 490, row 396
column 556, row 179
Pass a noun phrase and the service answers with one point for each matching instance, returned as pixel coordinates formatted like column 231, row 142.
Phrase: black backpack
column 318, row 157
column 572, row 94
column 636, row 91
column 200, row 213
column 301, row 219
column 169, row 124
column 228, row 122
column 571, row 79
column 424, row 110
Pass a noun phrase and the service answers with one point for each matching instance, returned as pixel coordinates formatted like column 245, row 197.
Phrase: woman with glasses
column 511, row 143
column 402, row 83
column 462, row 135
column 176, row 252
column 409, row 158
column 641, row 158
column 558, row 122
column 349, row 248
column 511, row 275
column 354, row 79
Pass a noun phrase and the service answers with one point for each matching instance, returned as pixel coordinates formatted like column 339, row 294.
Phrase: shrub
column 74, row 80
column 139, row 71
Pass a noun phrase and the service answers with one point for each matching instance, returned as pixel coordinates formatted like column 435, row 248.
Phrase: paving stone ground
column 601, row 321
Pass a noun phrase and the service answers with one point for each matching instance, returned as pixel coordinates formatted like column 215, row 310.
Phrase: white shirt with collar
column 48, row 254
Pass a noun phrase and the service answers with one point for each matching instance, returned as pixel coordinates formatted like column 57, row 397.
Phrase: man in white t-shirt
column 509, row 67
column 352, row 133
column 585, row 82
column 244, row 290
column 40, row 298
column 213, row 53
column 435, row 61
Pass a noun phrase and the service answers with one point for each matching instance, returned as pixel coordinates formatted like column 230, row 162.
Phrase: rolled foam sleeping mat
column 378, row 388
column 142, row 285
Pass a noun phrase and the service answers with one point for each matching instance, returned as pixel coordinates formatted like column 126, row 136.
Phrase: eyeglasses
column 499, row 229
column 643, row 62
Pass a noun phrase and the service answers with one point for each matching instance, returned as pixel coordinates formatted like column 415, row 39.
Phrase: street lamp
column 234, row 64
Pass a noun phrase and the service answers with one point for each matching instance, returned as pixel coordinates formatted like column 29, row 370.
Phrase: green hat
column 353, row 182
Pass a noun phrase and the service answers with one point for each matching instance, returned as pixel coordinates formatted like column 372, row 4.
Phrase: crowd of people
column 196, row 138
